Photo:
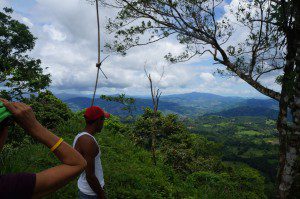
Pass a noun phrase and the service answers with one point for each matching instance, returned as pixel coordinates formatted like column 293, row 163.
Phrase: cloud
column 54, row 33
column 207, row 77
column 27, row 22
column 67, row 45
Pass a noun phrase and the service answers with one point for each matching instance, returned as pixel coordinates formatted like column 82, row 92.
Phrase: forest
column 197, row 145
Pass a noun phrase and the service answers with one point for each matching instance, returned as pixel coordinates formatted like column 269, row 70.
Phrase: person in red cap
column 91, row 181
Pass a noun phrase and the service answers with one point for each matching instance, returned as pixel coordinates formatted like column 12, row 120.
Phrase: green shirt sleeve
column 4, row 113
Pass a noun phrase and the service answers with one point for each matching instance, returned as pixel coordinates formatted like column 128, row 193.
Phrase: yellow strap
column 57, row 144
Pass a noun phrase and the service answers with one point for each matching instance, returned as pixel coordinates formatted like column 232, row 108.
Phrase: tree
column 19, row 73
column 166, row 126
column 143, row 128
column 272, row 41
column 189, row 153
column 286, row 18
column 49, row 110
column 155, row 95
column 128, row 102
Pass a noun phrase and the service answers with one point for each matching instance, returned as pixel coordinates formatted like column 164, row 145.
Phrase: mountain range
column 188, row 105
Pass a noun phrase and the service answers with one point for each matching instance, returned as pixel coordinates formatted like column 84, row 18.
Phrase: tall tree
column 285, row 16
column 200, row 25
column 155, row 95
column 19, row 73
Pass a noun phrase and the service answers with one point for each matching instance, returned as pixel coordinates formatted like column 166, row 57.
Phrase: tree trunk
column 295, row 139
column 153, row 139
column 284, row 133
column 289, row 136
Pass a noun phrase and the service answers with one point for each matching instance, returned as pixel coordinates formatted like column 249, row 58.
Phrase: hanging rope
column 98, row 64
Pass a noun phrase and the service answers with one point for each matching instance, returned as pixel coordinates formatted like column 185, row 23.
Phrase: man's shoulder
column 86, row 139
column 87, row 144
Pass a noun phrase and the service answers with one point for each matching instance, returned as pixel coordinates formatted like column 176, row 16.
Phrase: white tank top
column 82, row 183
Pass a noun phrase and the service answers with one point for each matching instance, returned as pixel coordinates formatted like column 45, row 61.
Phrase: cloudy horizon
column 67, row 46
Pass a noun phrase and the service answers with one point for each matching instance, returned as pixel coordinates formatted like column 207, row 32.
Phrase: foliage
column 243, row 178
column 114, row 125
column 128, row 170
column 203, row 27
column 128, row 102
column 18, row 72
column 166, row 126
column 189, row 153
column 251, row 140
column 49, row 110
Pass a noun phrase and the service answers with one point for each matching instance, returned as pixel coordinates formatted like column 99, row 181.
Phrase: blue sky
column 66, row 32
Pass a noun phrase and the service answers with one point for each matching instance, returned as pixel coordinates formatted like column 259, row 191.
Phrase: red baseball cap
column 95, row 112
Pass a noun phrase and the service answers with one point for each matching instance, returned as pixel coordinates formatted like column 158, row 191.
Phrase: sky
column 67, row 45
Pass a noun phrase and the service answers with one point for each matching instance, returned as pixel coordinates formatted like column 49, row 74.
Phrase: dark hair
column 93, row 121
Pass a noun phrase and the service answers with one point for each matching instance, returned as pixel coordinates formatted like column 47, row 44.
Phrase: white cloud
column 67, row 44
column 54, row 33
column 27, row 22
column 207, row 77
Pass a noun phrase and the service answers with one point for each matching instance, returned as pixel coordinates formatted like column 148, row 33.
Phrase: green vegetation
column 249, row 133
column 19, row 72
column 203, row 157
column 188, row 166
column 251, row 140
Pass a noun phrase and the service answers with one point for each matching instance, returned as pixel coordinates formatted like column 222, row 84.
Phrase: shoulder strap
column 81, row 134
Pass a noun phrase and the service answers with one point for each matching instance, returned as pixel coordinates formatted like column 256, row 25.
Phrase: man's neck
column 89, row 130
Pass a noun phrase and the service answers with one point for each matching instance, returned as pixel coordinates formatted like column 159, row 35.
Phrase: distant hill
column 189, row 104
column 79, row 103
column 266, row 103
column 66, row 96
column 205, row 102
column 248, row 111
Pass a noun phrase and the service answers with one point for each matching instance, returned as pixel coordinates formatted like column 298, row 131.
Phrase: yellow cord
column 57, row 144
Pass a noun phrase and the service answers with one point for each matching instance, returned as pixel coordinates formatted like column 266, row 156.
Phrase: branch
column 267, row 71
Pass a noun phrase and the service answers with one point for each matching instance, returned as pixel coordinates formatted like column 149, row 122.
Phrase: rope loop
column 98, row 65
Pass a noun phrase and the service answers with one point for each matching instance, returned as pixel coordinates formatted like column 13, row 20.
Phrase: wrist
column 35, row 128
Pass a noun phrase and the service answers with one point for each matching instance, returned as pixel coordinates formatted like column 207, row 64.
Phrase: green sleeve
column 4, row 113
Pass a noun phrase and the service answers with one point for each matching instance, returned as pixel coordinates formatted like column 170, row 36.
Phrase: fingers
column 23, row 106
column 14, row 107
column 3, row 100
column 9, row 105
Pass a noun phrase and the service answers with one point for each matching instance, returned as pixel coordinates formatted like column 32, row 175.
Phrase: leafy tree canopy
column 49, row 110
column 19, row 72
column 203, row 27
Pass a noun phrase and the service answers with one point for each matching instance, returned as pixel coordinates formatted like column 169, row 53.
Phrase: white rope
column 98, row 65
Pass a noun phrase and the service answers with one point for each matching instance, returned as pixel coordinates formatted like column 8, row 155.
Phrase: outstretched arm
column 73, row 163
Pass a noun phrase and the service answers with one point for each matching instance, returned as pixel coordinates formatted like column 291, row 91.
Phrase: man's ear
column 3, row 136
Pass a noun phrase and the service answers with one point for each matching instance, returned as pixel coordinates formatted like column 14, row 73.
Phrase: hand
column 23, row 115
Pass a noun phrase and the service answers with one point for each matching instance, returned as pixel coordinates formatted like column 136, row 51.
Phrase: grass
column 250, row 133
column 128, row 170
column 223, row 124
column 273, row 141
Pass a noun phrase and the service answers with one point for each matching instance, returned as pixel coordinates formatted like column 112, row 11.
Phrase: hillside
column 79, row 103
column 189, row 105
column 129, row 172
column 205, row 102
column 248, row 111
column 265, row 103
